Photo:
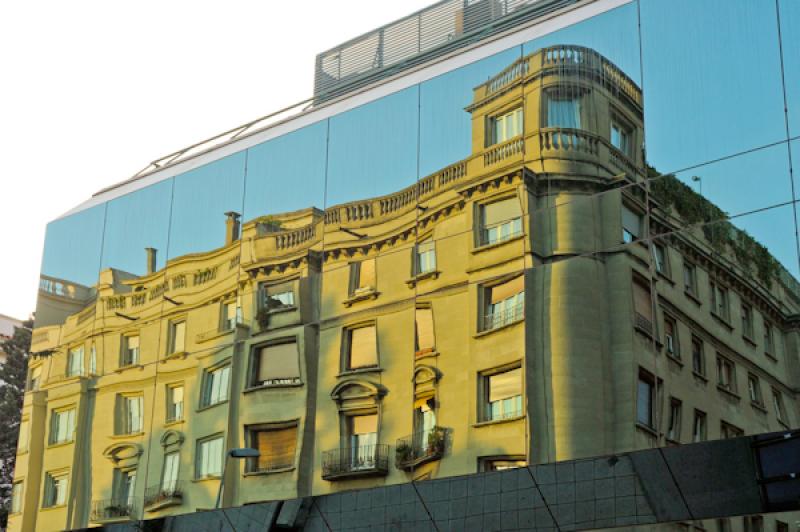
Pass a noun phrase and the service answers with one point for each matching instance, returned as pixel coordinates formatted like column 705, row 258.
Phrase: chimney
column 151, row 260
column 231, row 227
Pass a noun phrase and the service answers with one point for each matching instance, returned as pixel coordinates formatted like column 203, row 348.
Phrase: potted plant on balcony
column 436, row 440
column 403, row 453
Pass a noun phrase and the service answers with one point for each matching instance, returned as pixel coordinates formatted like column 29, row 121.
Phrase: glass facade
column 541, row 255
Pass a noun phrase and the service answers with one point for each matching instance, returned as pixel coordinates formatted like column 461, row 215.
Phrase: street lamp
column 233, row 453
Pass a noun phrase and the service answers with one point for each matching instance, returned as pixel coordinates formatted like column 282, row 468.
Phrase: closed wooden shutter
column 279, row 362
column 501, row 211
column 364, row 424
column 366, row 274
column 426, row 340
column 641, row 300
column 363, row 347
column 277, row 447
column 505, row 385
column 507, row 290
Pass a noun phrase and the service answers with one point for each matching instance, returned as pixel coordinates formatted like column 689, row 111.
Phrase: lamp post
column 233, row 453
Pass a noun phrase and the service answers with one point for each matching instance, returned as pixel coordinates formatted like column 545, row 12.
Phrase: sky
column 92, row 91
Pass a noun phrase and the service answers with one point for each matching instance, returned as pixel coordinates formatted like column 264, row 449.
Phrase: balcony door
column 363, row 436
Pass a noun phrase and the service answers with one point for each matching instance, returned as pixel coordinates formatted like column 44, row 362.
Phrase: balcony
column 350, row 462
column 158, row 496
column 643, row 323
column 420, row 448
column 495, row 320
column 121, row 509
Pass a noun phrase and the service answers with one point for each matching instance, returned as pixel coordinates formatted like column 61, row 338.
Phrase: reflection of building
column 467, row 322
column 7, row 326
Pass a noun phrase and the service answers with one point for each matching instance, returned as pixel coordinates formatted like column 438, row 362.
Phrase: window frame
column 252, row 381
column 492, row 121
column 485, row 462
column 126, row 359
column 355, row 288
column 754, row 390
column 779, row 406
column 50, row 495
column 627, row 236
column 69, row 372
column 225, row 322
column 675, row 419
column 514, row 225
column 416, row 267
column 198, row 456
column 264, row 295
column 17, row 498
column 720, row 300
column 251, row 437
column 347, row 347
column 207, row 385
column 124, row 424
column 748, row 329
column 702, row 418
column 726, row 367
column 648, row 378
column 484, row 390
column 169, row 395
column 517, row 311
column 172, row 328
column 699, row 355
column 661, row 260
column 55, row 415
column 674, row 350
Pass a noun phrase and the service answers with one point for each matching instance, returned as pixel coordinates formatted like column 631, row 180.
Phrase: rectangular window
column 769, row 343
column 698, row 356
column 209, row 457
column 719, row 300
column 130, row 351
column 699, row 430
column 16, row 497
column 131, row 412
column 174, row 402
column 277, row 445
column 724, row 525
column 642, row 305
column 215, row 386
column 177, row 337
column 645, row 400
column 780, row 526
column 124, row 488
column 726, row 374
column 674, row 428
column 425, row 257
column 506, row 126
column 62, row 426
column 362, row 437
column 22, row 440
column 729, row 431
column 501, row 463
column 361, row 347
column 169, row 475
column 75, row 362
column 499, row 221
column 563, row 110
column 747, row 321
column 425, row 338
column 362, row 277
column 93, row 361
column 689, row 278
column 230, row 316
column 671, row 337
column 631, row 225
column 777, row 401
column 276, row 364
column 504, row 303
column 660, row 259
column 35, row 378
column 621, row 137
column 278, row 296
column 754, row 389
column 55, row 490
column 502, row 395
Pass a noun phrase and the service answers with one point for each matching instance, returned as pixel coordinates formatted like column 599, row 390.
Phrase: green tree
column 12, row 389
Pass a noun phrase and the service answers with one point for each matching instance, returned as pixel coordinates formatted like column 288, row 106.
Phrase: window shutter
column 366, row 277
column 631, row 222
column 364, row 424
column 279, row 362
column 505, row 385
column 641, row 300
column 277, row 447
column 501, row 211
column 426, row 339
column 179, row 337
column 507, row 290
column 363, row 347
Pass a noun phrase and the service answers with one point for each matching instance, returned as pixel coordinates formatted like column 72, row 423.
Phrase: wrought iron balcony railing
column 504, row 317
column 163, row 495
column 113, row 509
column 364, row 460
column 421, row 447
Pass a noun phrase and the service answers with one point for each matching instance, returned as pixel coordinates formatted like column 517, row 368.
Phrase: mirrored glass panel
column 712, row 79
column 372, row 149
